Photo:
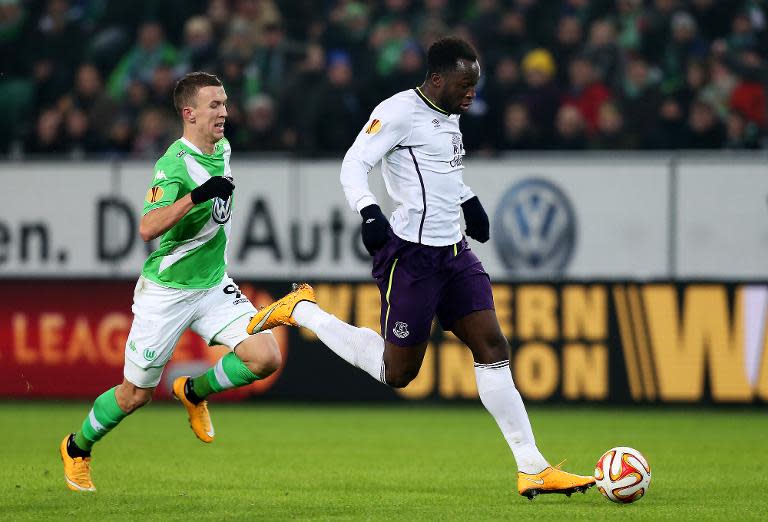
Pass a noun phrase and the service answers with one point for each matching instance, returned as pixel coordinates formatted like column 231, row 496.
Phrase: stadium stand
column 92, row 78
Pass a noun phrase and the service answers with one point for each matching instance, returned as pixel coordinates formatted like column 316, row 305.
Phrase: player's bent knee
column 265, row 363
column 130, row 398
column 401, row 379
column 262, row 356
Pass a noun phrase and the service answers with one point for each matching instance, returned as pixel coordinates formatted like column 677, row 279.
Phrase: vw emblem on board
column 534, row 228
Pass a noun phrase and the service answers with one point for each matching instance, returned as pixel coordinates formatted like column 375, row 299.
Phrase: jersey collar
column 195, row 149
column 429, row 102
column 191, row 145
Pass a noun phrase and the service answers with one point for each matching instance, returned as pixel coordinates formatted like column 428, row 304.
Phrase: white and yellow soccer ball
column 622, row 475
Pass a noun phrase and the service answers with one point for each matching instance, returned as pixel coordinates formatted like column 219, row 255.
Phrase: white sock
column 360, row 347
column 502, row 400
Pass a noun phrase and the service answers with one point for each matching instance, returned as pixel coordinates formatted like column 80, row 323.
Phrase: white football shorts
column 219, row 315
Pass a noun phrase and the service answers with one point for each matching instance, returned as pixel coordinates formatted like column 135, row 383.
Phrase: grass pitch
column 374, row 462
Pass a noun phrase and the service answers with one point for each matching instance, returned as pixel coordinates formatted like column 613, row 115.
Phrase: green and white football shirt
column 193, row 253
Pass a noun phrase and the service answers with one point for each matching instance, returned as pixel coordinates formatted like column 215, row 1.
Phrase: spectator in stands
column 120, row 139
column 653, row 57
column 740, row 132
column 511, row 39
column 722, row 82
column 135, row 100
column 567, row 45
column 657, row 28
column 199, row 52
column 80, row 140
column 486, row 15
column 260, row 131
column 684, row 46
column 388, row 41
column 629, row 24
column 89, row 96
column 603, row 51
column 52, row 51
column 335, row 114
column 255, row 15
column 307, row 78
column 47, row 138
column 748, row 96
column 348, row 27
column 218, row 15
column 696, row 79
column 743, row 35
column 408, row 74
column 504, row 84
column 516, row 132
column 239, row 42
column 13, row 17
column 161, row 86
column 587, row 93
column 139, row 64
column 570, row 130
column 670, row 130
column 640, row 99
column 435, row 12
column 611, row 134
column 274, row 57
column 153, row 134
column 714, row 16
column 541, row 96
column 704, row 130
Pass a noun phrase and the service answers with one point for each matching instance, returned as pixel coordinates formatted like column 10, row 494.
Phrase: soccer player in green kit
column 183, row 284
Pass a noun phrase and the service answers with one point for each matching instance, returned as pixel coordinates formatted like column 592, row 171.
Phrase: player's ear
column 436, row 79
column 188, row 114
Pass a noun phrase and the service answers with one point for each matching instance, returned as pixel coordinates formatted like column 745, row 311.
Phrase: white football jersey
column 421, row 152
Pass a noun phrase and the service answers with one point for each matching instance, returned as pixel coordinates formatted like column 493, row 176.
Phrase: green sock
column 104, row 416
column 230, row 372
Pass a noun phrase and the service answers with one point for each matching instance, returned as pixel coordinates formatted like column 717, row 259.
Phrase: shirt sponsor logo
column 373, row 127
column 458, row 151
column 222, row 210
column 155, row 194
column 534, row 229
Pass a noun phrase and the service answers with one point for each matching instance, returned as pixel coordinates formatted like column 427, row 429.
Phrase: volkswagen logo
column 534, row 228
column 221, row 210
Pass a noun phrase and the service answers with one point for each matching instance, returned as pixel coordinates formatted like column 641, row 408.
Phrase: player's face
column 211, row 112
column 459, row 87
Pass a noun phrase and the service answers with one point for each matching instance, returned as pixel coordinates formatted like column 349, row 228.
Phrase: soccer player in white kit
column 421, row 261
column 183, row 284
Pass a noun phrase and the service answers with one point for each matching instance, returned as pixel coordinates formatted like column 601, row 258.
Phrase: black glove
column 375, row 227
column 478, row 226
column 216, row 187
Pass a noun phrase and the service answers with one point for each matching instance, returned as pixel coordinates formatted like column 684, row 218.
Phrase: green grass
column 413, row 462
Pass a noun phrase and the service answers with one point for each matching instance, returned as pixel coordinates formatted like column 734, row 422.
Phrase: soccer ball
column 622, row 475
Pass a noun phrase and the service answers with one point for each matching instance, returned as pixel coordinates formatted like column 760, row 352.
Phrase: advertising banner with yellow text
column 595, row 342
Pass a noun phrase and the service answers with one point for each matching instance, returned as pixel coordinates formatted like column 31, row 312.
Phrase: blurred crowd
column 93, row 78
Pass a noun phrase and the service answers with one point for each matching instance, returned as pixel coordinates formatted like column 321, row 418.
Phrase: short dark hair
column 186, row 88
column 444, row 54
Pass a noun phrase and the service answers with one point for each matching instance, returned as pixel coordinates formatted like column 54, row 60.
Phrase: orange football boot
column 279, row 312
column 199, row 418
